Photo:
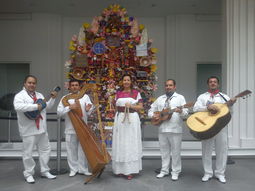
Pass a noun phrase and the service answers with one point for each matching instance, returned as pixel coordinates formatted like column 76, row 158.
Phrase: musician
column 126, row 141
column 170, row 131
column 75, row 156
column 204, row 103
column 33, row 132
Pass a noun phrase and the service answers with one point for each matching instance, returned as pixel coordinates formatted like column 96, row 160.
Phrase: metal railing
column 58, row 150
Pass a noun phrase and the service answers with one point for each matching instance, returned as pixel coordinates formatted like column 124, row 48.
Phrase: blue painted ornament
column 99, row 48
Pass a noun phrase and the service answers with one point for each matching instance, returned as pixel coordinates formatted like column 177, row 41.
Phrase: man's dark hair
column 213, row 77
column 172, row 81
column 74, row 80
column 30, row 76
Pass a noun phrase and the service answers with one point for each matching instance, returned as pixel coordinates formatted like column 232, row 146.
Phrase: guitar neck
column 187, row 105
column 242, row 94
column 56, row 89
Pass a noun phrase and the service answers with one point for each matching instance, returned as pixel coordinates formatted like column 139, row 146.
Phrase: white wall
column 191, row 40
column 37, row 41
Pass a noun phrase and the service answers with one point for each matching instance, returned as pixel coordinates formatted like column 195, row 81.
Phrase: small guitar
column 167, row 113
column 205, row 125
column 33, row 115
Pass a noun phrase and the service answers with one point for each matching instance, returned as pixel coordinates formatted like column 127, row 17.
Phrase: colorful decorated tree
column 114, row 44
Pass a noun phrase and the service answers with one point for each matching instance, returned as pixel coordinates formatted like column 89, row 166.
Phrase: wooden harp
column 94, row 148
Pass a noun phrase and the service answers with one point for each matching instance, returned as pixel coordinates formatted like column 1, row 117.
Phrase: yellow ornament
column 68, row 74
column 110, row 124
column 141, row 27
column 86, row 25
column 154, row 50
column 98, row 39
column 116, row 8
column 71, row 48
column 71, row 43
column 130, row 46
column 153, row 67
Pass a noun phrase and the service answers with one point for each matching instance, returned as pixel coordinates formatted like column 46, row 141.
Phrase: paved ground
column 240, row 177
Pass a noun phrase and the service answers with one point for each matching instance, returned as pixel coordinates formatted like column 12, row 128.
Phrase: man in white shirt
column 205, row 103
column 75, row 155
column 33, row 132
column 170, row 131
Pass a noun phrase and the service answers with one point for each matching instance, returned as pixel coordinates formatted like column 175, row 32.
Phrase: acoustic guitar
column 205, row 125
column 33, row 115
column 167, row 113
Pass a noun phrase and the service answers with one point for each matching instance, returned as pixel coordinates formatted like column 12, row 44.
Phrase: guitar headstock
column 244, row 94
column 57, row 89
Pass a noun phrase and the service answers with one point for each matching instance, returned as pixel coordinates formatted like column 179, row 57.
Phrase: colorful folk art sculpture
column 114, row 44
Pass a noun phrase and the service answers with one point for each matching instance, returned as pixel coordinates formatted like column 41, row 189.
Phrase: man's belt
column 122, row 109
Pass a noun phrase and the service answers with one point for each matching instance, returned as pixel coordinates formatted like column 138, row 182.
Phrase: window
column 11, row 82
column 205, row 70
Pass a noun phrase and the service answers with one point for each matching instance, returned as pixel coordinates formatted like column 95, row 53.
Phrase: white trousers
column 221, row 150
column 170, row 143
column 75, row 156
column 42, row 144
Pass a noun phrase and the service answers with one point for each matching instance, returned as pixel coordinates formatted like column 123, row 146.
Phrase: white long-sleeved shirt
column 174, row 125
column 204, row 99
column 63, row 111
column 23, row 103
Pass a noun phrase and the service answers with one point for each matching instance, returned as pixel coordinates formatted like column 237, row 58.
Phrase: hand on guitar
column 213, row 109
column 39, row 107
column 178, row 110
column 87, row 107
column 231, row 101
column 53, row 94
column 156, row 115
column 73, row 106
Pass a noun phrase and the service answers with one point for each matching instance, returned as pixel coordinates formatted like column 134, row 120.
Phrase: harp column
column 239, row 26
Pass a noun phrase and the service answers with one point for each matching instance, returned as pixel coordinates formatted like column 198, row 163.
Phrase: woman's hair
column 125, row 76
column 131, row 79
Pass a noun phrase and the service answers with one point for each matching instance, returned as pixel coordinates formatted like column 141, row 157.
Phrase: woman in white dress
column 127, row 142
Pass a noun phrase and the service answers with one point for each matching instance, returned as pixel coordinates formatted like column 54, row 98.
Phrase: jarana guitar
column 167, row 113
column 33, row 115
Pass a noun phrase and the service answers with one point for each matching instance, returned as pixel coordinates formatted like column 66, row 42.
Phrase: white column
column 240, row 66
